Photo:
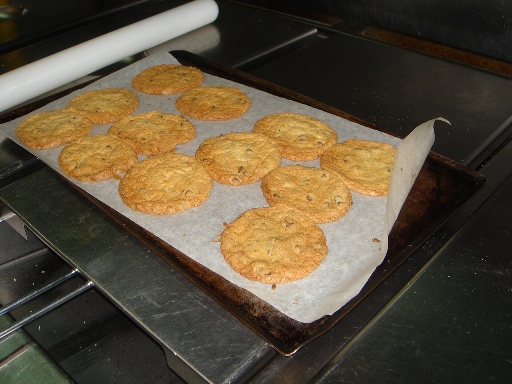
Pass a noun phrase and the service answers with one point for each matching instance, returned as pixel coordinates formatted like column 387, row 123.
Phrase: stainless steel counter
column 412, row 338
column 445, row 322
column 452, row 323
column 397, row 89
column 159, row 299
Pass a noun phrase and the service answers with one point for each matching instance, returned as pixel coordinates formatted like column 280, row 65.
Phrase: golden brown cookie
column 318, row 193
column 299, row 137
column 167, row 79
column 96, row 158
column 105, row 106
column 364, row 165
column 165, row 184
column 273, row 245
column 50, row 129
column 238, row 158
column 153, row 132
column 213, row 103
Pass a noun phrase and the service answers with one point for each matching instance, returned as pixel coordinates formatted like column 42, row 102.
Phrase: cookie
column 50, row 129
column 165, row 184
column 299, row 137
column 318, row 193
column 167, row 79
column 365, row 166
column 105, row 106
column 153, row 132
column 96, row 158
column 213, row 103
column 238, row 158
column 273, row 245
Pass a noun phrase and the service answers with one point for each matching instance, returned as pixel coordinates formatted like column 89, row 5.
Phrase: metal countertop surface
column 179, row 315
column 452, row 323
column 448, row 319
column 398, row 89
column 208, row 343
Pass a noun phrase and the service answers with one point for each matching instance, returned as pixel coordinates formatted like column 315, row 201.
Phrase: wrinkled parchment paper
column 353, row 255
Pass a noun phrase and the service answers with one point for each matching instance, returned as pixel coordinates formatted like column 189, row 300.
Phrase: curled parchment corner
column 411, row 155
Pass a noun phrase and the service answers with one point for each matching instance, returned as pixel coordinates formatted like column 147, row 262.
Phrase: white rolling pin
column 39, row 77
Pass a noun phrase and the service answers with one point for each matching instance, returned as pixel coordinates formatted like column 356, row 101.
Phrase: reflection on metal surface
column 8, row 31
column 24, row 321
column 37, row 292
column 23, row 361
column 436, row 49
column 159, row 299
column 12, row 12
column 14, row 221
column 197, row 41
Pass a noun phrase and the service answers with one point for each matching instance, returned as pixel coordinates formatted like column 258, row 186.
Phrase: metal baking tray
column 442, row 187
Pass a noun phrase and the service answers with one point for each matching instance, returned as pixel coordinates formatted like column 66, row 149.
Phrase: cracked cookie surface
column 273, row 245
column 106, row 105
column 320, row 194
column 213, row 103
column 165, row 184
column 50, row 129
column 153, row 132
column 96, row 158
column 365, row 166
column 167, row 79
column 238, row 158
column 298, row 137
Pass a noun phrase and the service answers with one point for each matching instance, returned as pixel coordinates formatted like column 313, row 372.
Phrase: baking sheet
column 440, row 189
column 353, row 251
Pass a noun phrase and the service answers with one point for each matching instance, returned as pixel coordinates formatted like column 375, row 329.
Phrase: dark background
column 480, row 26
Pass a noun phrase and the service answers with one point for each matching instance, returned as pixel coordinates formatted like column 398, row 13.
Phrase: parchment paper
column 353, row 255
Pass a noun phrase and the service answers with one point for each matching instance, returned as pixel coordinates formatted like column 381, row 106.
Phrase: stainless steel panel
column 452, row 324
column 397, row 90
column 360, row 349
column 477, row 26
column 207, row 343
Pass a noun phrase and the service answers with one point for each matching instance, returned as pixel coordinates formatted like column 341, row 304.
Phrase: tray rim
column 307, row 331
